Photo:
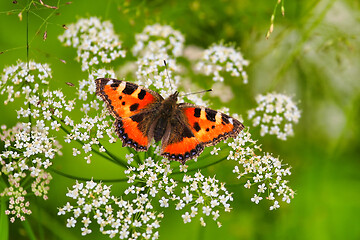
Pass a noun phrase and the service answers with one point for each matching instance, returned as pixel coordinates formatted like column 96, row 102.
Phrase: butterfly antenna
column 167, row 74
column 203, row 91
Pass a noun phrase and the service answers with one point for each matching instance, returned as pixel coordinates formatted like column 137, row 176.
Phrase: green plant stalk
column 86, row 179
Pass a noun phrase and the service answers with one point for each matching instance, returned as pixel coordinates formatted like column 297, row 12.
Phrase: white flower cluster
column 275, row 114
column 24, row 78
column 49, row 108
column 96, row 42
column 28, row 153
column 266, row 172
column 197, row 193
column 95, row 125
column 89, row 132
column 206, row 195
column 156, row 44
column 132, row 219
column 155, row 176
column 219, row 58
column 159, row 38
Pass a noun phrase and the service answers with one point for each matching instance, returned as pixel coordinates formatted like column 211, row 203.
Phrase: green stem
column 92, row 149
column 108, row 7
column 118, row 160
column 26, row 181
column 202, row 167
column 41, row 225
column 27, row 36
column 29, row 230
column 27, row 57
column 296, row 50
column 136, row 156
column 86, row 179
column 4, row 219
column 3, row 184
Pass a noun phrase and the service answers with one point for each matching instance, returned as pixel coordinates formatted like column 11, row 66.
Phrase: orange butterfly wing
column 197, row 127
column 130, row 104
column 179, row 142
column 210, row 126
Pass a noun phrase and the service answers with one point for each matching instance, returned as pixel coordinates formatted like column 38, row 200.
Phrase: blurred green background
column 313, row 55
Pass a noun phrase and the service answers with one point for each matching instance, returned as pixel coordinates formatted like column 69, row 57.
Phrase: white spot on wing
column 231, row 121
column 110, row 82
column 202, row 113
column 122, row 85
column 218, row 117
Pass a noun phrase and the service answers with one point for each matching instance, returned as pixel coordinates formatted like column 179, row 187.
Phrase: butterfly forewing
column 210, row 126
column 132, row 106
column 125, row 99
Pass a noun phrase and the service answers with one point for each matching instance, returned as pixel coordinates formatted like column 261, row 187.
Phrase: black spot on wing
column 210, row 115
column 197, row 112
column 115, row 85
column 142, row 94
column 187, row 155
column 134, row 107
column 138, row 117
column 197, row 126
column 129, row 88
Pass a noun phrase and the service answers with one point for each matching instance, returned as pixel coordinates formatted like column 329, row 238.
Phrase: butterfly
column 142, row 114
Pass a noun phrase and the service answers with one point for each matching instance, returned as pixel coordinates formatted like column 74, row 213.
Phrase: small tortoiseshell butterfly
column 183, row 128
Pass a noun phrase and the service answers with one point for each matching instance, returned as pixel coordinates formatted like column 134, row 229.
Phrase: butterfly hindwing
column 131, row 135
column 124, row 99
column 179, row 142
column 132, row 106
column 210, row 126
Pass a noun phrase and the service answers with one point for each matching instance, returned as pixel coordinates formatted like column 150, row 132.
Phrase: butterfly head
column 169, row 103
column 174, row 96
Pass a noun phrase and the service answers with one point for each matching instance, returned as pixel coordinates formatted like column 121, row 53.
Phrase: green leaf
column 29, row 230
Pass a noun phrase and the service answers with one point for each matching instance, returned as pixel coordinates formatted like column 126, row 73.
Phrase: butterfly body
column 141, row 115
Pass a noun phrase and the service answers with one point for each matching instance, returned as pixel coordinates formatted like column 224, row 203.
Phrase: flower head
column 96, row 42
column 154, row 45
column 24, row 79
column 28, row 153
column 219, row 59
column 265, row 171
column 133, row 219
column 275, row 114
column 156, row 39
